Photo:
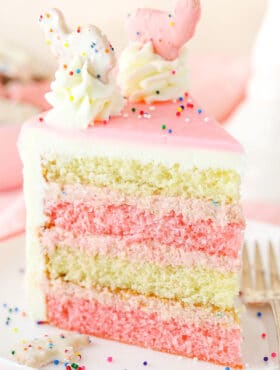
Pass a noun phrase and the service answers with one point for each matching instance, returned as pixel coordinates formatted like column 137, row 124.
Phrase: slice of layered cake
column 134, row 223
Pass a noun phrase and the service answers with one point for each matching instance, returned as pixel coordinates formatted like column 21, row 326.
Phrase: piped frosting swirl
column 146, row 76
column 79, row 99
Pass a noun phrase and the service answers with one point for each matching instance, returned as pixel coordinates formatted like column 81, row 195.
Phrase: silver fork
column 256, row 290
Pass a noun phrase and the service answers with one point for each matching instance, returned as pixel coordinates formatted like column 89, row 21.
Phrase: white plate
column 124, row 357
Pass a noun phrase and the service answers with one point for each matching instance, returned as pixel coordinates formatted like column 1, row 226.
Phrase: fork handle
column 275, row 305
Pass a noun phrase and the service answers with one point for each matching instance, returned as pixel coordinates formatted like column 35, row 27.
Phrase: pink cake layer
column 191, row 209
column 142, row 226
column 151, row 251
column 205, row 339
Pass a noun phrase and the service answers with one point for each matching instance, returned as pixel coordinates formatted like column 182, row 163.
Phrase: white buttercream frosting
column 79, row 99
column 146, row 76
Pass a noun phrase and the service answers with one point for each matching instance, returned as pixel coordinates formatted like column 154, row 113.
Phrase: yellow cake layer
column 137, row 178
column 196, row 285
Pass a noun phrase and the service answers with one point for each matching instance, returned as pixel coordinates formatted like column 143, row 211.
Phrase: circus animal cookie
column 42, row 351
column 84, row 90
column 168, row 32
column 154, row 65
column 88, row 42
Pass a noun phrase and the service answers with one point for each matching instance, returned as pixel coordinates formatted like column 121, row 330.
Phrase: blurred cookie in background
column 14, row 112
column 22, row 92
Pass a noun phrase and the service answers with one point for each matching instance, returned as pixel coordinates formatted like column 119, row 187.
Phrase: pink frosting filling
column 141, row 226
column 205, row 340
column 124, row 300
column 151, row 252
column 191, row 209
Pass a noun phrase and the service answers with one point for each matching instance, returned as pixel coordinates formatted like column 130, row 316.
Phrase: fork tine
column 246, row 270
column 259, row 271
column 274, row 275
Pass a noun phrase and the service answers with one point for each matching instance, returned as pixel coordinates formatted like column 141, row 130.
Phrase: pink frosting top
column 180, row 123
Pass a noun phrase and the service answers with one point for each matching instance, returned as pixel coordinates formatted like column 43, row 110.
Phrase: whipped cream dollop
column 146, row 76
column 79, row 99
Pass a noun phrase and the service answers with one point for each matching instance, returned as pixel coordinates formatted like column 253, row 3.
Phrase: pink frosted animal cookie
column 168, row 32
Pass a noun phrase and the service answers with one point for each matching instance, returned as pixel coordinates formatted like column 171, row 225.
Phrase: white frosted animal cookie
column 87, row 42
column 57, row 348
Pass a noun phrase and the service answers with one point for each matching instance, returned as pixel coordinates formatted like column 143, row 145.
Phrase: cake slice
column 134, row 232
column 134, row 225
